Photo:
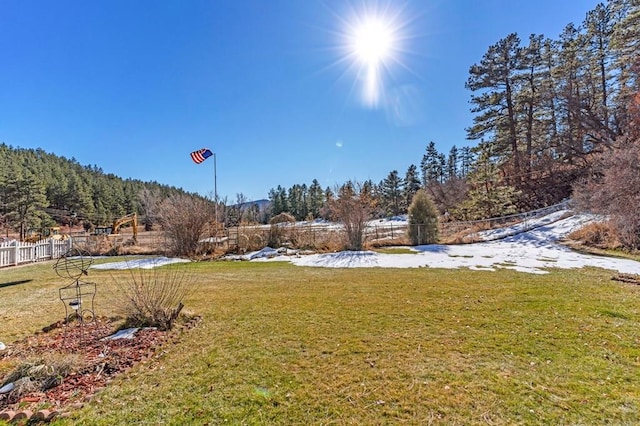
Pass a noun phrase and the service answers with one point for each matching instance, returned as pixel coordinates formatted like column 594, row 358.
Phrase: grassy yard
column 280, row 344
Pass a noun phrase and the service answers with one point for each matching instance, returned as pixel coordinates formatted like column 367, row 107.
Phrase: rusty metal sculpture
column 77, row 296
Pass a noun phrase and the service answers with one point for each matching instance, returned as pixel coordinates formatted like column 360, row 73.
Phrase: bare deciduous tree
column 614, row 187
column 353, row 209
column 149, row 201
column 183, row 219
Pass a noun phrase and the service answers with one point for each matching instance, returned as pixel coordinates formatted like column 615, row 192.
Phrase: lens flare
column 372, row 44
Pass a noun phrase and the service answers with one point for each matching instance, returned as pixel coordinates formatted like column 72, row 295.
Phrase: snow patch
column 533, row 251
column 148, row 263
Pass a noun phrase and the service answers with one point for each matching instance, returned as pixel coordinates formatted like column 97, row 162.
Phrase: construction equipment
column 113, row 230
column 37, row 234
column 131, row 218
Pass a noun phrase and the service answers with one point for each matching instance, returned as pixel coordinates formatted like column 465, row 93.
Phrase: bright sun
column 372, row 45
column 373, row 41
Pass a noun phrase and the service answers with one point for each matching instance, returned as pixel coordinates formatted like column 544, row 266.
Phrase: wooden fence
column 15, row 253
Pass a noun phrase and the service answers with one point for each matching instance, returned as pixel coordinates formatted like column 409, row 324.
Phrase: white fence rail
column 15, row 253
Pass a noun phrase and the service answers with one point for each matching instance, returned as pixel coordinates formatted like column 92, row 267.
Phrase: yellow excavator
column 114, row 229
column 130, row 218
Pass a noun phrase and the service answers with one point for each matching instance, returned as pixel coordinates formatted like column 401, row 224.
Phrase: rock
column 2, row 346
column 7, row 388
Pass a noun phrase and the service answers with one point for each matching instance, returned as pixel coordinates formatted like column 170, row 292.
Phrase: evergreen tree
column 570, row 94
column 467, row 158
column 625, row 45
column 529, row 97
column 423, row 220
column 316, row 198
column 78, row 197
column 278, row 200
column 391, row 193
column 495, row 80
column 488, row 196
column 599, row 30
column 451, row 170
column 430, row 165
column 441, row 168
column 411, row 186
column 25, row 199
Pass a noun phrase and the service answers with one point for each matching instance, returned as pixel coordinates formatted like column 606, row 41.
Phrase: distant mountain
column 262, row 204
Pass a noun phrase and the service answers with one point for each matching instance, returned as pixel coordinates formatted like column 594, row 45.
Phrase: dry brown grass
column 599, row 234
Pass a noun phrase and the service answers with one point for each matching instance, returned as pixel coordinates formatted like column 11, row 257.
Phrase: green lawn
column 280, row 344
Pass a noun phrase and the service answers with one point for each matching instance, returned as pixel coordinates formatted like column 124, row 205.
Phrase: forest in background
column 39, row 190
column 551, row 117
column 548, row 116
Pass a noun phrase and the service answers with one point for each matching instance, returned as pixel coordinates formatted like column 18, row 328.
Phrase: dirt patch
column 65, row 365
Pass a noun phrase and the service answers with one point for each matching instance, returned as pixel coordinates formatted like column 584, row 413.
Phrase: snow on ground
column 532, row 251
column 147, row 263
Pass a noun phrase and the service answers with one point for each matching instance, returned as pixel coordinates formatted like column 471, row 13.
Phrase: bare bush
column 153, row 297
column 183, row 219
column 277, row 230
column 613, row 189
column 598, row 234
column 353, row 209
column 449, row 195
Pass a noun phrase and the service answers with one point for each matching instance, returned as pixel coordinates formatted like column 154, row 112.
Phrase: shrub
column 598, row 234
column 153, row 297
column 183, row 219
column 423, row 220
column 277, row 231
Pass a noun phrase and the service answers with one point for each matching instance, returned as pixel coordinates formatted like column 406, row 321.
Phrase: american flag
column 200, row 155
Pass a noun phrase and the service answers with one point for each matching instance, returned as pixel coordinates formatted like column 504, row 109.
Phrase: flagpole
column 215, row 191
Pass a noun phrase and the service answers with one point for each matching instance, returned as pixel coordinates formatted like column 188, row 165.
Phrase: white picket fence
column 15, row 253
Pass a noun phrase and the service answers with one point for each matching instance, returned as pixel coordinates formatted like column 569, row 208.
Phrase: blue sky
column 273, row 87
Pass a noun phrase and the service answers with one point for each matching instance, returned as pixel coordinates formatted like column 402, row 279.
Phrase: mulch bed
column 96, row 361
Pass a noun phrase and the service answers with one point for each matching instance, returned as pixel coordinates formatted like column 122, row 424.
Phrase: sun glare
column 373, row 41
column 372, row 45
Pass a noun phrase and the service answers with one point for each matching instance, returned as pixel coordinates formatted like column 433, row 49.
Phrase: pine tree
column 495, row 80
column 489, row 196
column 467, row 158
column 570, row 95
column 25, row 199
column 625, row 45
column 316, row 198
column 391, row 193
column 451, row 170
column 430, row 165
column 599, row 31
column 411, row 186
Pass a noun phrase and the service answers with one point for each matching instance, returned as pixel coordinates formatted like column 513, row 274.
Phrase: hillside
column 41, row 189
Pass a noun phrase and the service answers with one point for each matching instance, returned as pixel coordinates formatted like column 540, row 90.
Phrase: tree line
column 545, row 112
column 38, row 190
column 553, row 118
